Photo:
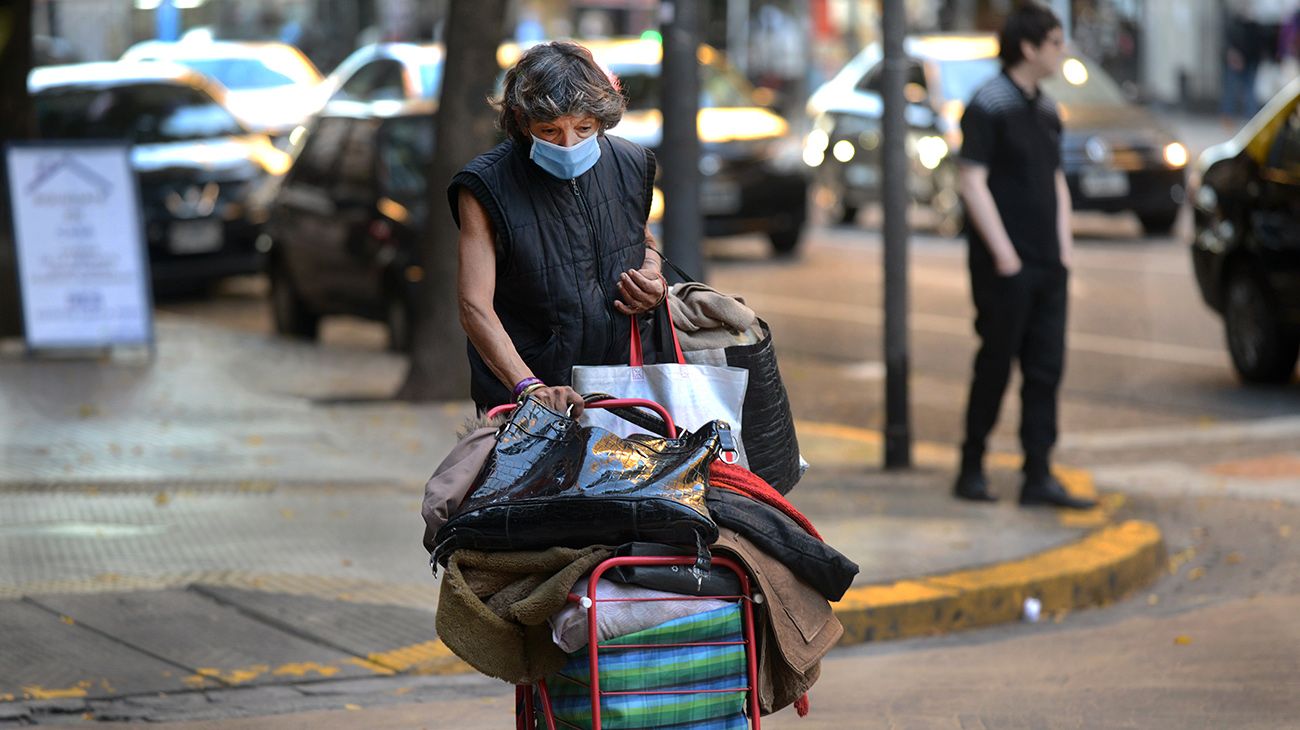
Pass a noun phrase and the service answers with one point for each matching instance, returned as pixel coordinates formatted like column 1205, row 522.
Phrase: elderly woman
column 555, row 251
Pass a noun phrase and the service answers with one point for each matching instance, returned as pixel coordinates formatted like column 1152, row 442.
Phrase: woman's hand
column 640, row 291
column 558, row 398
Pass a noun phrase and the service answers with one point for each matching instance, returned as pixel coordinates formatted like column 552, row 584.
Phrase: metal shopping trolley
column 732, row 698
column 534, row 705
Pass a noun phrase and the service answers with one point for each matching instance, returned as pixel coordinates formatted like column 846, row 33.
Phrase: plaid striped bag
column 661, row 669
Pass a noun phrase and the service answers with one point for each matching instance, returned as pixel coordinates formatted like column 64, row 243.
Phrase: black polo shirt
column 1018, row 138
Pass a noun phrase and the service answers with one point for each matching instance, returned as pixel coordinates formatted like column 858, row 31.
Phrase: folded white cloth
column 619, row 618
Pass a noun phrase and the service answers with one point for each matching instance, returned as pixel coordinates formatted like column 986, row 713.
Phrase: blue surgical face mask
column 565, row 163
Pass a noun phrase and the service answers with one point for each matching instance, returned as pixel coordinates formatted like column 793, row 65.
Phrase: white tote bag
column 693, row 394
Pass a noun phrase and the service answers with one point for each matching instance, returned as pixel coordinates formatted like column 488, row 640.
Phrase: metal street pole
column 679, row 153
column 898, row 437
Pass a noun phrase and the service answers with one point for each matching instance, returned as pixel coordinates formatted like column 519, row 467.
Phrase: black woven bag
column 766, row 423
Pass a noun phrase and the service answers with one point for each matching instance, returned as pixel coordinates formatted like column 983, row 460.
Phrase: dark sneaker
column 1047, row 491
column 974, row 487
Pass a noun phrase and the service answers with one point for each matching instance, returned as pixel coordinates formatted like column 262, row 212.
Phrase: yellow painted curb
column 1102, row 568
column 1097, row 570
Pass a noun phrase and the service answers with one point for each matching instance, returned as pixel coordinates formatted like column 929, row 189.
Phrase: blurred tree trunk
column 15, row 123
column 465, row 128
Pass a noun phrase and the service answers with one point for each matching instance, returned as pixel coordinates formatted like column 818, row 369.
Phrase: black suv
column 1246, row 247
column 343, row 226
column 199, row 170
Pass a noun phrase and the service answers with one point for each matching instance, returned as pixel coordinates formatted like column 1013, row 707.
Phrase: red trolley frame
column 526, row 712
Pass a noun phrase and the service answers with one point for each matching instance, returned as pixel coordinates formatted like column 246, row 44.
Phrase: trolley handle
column 610, row 403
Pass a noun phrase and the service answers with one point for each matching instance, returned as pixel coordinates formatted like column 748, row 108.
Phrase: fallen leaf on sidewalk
column 1153, row 599
column 1196, row 573
column 68, row 620
column 161, row 499
column 1233, row 558
column 88, row 411
column 1284, row 531
column 351, row 707
column 254, row 440
column 287, row 513
column 1180, row 558
column 1182, row 640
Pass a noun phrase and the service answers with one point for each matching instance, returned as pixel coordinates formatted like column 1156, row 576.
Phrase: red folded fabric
column 743, row 481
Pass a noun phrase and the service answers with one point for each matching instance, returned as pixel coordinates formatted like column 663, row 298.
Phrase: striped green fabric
column 661, row 669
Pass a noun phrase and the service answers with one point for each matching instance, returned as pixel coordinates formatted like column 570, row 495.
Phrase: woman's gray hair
column 553, row 80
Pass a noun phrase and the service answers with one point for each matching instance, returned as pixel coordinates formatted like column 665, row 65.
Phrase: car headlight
column 814, row 147
column 1175, row 154
column 843, row 150
column 930, row 151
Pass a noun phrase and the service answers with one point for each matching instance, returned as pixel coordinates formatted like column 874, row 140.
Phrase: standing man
column 1018, row 217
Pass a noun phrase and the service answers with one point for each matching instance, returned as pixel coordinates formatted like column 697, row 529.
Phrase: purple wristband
column 523, row 385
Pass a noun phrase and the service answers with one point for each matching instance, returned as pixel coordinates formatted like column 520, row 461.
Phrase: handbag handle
column 637, row 354
column 677, row 270
column 669, row 426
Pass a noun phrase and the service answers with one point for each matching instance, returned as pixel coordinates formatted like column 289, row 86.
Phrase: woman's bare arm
column 476, row 288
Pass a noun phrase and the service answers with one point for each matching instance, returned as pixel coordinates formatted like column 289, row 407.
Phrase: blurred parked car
column 754, row 180
column 343, row 227
column 386, row 72
column 1246, row 244
column 198, row 168
column 1116, row 156
column 270, row 86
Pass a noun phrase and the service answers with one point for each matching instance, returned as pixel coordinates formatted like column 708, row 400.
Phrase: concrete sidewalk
column 233, row 529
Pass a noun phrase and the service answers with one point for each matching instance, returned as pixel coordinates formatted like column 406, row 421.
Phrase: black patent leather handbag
column 550, row 481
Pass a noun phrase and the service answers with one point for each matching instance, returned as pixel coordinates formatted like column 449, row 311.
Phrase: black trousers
column 1018, row 318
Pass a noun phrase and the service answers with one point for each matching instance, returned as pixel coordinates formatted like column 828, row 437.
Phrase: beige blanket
column 493, row 607
column 706, row 319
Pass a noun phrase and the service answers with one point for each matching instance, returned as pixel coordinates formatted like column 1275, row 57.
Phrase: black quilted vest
column 561, row 246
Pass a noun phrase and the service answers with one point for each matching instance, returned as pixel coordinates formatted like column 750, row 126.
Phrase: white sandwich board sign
column 83, row 268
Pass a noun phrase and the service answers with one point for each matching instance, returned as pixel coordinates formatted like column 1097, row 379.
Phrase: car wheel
column 1159, row 223
column 291, row 315
column 397, row 316
column 1262, row 350
column 784, row 242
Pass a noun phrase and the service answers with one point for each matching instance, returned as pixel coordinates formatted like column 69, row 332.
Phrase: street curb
column 1103, row 567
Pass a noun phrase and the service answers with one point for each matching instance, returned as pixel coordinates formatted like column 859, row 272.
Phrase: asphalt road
column 1148, row 387
column 1144, row 350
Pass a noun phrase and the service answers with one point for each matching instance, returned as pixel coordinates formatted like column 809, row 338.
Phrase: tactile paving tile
column 360, row 629
column 44, row 656
column 209, row 638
